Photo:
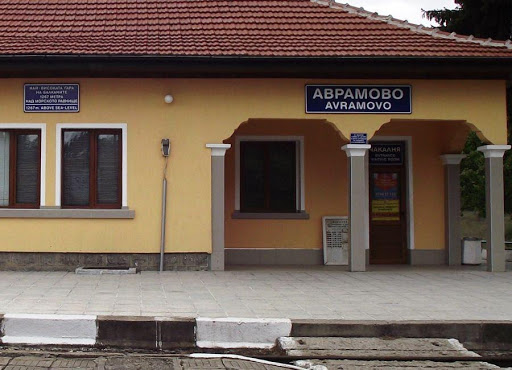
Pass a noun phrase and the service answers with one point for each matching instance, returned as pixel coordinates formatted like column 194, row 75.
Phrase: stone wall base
column 427, row 257
column 277, row 256
column 41, row 261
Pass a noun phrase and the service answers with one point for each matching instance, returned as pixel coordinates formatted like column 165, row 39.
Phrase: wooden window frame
column 267, row 208
column 13, row 134
column 93, row 167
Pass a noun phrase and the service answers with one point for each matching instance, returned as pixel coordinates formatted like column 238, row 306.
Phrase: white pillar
column 358, row 205
column 495, row 208
column 218, row 154
column 452, row 208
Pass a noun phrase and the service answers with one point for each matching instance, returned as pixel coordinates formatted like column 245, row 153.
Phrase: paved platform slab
column 384, row 293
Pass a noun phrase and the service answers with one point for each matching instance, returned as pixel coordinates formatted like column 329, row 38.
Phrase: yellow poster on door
column 385, row 203
column 385, row 210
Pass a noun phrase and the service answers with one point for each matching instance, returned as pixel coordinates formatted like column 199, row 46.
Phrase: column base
column 420, row 257
column 273, row 256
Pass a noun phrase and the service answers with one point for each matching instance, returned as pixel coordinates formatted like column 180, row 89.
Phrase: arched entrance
column 263, row 233
column 281, row 177
column 413, row 217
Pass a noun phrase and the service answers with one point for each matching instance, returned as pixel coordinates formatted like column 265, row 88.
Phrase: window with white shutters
column 20, row 163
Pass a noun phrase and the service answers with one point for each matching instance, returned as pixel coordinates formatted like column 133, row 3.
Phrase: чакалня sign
column 376, row 99
column 51, row 98
column 387, row 153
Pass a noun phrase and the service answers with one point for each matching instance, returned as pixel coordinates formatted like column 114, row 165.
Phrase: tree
column 480, row 18
column 483, row 19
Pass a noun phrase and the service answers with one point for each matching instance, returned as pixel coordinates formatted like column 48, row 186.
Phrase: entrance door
column 388, row 224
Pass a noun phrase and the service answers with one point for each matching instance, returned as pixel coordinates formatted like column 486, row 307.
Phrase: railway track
column 315, row 353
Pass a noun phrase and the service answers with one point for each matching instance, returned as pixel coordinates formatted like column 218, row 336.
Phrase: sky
column 409, row 10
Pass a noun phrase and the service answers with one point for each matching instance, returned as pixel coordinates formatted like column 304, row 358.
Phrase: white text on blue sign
column 358, row 99
column 51, row 98
column 358, row 138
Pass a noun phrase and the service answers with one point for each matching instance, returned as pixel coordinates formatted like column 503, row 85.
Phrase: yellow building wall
column 326, row 183
column 325, row 173
column 209, row 111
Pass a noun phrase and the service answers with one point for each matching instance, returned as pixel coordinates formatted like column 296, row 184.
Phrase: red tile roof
column 286, row 28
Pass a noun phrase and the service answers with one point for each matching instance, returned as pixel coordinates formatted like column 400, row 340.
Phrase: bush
column 508, row 231
column 472, row 177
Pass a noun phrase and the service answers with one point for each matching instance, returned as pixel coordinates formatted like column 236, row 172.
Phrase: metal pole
column 162, row 237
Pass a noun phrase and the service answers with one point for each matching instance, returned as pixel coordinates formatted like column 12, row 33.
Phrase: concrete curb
column 164, row 333
column 145, row 332
column 240, row 333
column 466, row 331
column 49, row 329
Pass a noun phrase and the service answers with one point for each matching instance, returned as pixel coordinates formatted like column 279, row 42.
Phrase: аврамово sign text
column 368, row 99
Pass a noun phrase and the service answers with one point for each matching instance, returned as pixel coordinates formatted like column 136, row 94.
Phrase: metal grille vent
column 335, row 238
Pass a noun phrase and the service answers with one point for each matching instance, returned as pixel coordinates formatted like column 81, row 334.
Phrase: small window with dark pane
column 268, row 176
column 20, row 168
column 91, row 168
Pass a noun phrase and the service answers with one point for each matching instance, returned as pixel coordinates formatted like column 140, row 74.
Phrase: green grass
column 474, row 226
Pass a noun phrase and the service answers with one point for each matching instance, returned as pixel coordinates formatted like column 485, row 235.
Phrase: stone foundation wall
column 31, row 261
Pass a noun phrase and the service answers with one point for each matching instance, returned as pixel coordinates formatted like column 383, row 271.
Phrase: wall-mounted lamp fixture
column 168, row 99
column 166, row 147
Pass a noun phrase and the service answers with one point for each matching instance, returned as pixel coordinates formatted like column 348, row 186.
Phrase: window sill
column 68, row 213
column 270, row 216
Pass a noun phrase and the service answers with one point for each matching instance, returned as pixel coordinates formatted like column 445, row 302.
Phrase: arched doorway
column 281, row 177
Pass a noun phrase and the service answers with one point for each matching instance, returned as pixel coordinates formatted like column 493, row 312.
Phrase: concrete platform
column 398, row 349
column 172, row 309
column 384, row 293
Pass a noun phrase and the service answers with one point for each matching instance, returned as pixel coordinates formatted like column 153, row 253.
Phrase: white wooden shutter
column 4, row 168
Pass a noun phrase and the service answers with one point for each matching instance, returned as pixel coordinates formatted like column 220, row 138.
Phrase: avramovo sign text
column 368, row 99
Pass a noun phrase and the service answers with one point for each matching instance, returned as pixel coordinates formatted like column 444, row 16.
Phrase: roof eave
column 248, row 66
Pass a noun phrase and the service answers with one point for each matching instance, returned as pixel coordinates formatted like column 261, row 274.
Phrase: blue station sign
column 51, row 98
column 352, row 99
column 387, row 153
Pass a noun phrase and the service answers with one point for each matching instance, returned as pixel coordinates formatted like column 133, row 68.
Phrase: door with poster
column 388, row 224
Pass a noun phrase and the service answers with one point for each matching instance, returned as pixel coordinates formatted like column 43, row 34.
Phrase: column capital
column 493, row 151
column 452, row 159
column 356, row 150
column 218, row 150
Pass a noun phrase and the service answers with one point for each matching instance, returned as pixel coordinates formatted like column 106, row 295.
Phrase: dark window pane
column 108, row 169
column 252, row 176
column 268, row 176
column 75, row 168
column 27, row 169
column 281, row 176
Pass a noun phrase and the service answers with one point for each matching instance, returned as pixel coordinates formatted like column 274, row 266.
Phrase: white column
column 218, row 153
column 451, row 164
column 495, row 209
column 358, row 205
